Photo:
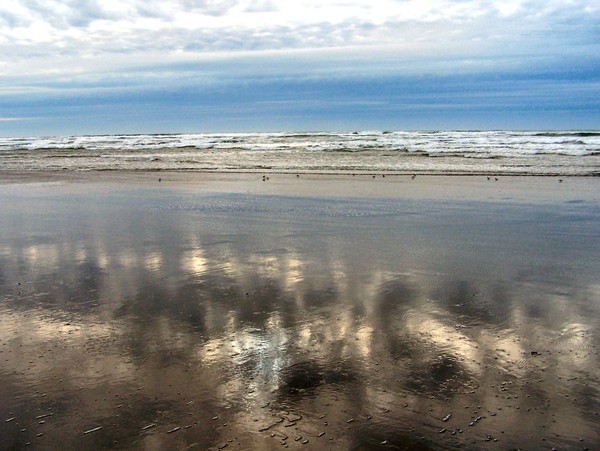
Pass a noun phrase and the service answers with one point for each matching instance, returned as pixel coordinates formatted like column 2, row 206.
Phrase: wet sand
column 312, row 312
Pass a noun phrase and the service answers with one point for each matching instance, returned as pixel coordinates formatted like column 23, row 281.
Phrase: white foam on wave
column 396, row 151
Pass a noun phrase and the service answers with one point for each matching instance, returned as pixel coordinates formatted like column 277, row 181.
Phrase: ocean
column 402, row 152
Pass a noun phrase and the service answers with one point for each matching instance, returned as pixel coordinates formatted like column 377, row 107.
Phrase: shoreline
column 516, row 188
column 385, row 173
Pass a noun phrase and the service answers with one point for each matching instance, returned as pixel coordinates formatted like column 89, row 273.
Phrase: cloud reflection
column 243, row 325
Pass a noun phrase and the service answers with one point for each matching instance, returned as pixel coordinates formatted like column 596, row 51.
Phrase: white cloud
column 62, row 40
column 508, row 8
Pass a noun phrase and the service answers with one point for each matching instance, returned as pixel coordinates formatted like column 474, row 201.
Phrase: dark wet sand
column 312, row 312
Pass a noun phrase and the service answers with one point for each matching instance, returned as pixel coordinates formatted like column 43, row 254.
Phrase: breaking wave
column 535, row 152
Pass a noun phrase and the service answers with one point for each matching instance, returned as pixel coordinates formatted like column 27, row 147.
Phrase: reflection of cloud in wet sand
column 225, row 337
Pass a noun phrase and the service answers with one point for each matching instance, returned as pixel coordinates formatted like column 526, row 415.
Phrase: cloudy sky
column 139, row 66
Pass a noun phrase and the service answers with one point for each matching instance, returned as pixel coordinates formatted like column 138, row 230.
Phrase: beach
column 176, row 310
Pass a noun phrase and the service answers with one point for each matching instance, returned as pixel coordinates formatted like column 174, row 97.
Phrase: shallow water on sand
column 133, row 317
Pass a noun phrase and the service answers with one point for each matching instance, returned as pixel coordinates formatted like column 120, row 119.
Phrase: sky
column 169, row 66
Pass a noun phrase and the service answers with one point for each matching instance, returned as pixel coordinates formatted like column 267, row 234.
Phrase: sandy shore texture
column 228, row 311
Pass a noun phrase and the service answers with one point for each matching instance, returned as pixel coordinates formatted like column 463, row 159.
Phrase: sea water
column 430, row 152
